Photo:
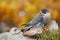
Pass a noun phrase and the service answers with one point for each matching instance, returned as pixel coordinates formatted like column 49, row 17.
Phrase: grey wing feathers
column 37, row 19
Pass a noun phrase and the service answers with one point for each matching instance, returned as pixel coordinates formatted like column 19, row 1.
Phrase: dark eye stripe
column 43, row 12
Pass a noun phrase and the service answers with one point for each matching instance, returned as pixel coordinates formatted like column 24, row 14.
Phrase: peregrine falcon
column 40, row 20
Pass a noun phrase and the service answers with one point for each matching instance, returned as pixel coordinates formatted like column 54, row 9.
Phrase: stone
column 53, row 25
column 33, row 32
column 14, row 34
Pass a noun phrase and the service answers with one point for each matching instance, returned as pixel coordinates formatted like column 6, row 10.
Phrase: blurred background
column 13, row 13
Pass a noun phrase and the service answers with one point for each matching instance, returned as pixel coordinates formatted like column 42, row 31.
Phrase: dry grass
column 49, row 35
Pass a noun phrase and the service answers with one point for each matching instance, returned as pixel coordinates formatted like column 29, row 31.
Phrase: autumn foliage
column 9, row 10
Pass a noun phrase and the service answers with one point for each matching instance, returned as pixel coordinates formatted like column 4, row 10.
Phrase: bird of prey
column 40, row 20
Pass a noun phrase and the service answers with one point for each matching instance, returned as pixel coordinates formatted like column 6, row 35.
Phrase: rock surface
column 53, row 25
column 33, row 32
column 14, row 34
